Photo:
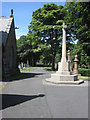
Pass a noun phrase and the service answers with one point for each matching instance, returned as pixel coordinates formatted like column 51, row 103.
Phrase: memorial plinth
column 64, row 75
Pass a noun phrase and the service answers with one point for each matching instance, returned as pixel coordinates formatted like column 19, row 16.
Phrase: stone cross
column 64, row 43
column 64, row 74
column 63, row 65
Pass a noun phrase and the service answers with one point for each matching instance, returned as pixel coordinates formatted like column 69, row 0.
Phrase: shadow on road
column 21, row 76
column 9, row 100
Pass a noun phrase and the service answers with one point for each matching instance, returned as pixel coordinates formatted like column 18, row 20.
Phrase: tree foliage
column 47, row 24
column 43, row 41
column 21, row 48
column 28, row 49
column 77, row 19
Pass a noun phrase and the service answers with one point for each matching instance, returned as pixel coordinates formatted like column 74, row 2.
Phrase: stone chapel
column 8, row 43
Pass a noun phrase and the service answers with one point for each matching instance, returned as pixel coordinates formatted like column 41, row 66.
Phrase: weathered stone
column 62, row 66
column 64, row 75
column 69, row 62
column 8, row 38
column 64, row 82
column 75, row 71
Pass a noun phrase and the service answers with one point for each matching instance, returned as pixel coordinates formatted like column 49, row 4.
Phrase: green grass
column 1, row 86
column 83, row 77
column 79, row 77
column 29, row 68
column 84, row 71
column 49, row 69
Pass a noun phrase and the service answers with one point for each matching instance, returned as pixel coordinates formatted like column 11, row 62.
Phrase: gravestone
column 64, row 75
column 27, row 63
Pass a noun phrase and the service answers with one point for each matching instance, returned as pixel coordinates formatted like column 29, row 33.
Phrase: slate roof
column 5, row 25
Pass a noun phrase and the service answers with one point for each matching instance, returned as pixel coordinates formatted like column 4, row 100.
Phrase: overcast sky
column 22, row 13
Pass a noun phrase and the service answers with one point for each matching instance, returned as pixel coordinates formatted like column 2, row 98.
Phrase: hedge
column 84, row 72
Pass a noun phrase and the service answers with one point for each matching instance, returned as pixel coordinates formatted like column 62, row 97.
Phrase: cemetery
column 45, row 74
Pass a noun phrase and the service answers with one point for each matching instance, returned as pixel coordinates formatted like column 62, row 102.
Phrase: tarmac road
column 31, row 97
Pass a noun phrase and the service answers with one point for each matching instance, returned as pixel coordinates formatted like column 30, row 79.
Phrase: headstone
column 27, row 63
column 19, row 66
column 22, row 65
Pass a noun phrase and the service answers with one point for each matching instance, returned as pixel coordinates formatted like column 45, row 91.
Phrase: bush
column 84, row 72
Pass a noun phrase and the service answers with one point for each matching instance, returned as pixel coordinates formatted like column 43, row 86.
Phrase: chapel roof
column 5, row 25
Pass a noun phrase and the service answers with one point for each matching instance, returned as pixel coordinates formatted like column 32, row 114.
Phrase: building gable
column 5, row 26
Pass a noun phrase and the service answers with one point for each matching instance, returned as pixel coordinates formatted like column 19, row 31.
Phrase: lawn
column 79, row 77
column 1, row 86
column 83, row 77
column 49, row 69
column 29, row 68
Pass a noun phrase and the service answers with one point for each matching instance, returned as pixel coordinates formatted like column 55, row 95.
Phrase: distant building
column 8, row 44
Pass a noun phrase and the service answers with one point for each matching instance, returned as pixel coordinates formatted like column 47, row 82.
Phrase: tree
column 22, row 46
column 47, row 24
column 77, row 19
column 27, row 49
column 35, row 50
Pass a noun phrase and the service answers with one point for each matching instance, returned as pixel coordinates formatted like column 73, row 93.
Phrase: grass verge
column 29, row 68
column 49, row 69
column 83, row 77
column 79, row 77
column 1, row 86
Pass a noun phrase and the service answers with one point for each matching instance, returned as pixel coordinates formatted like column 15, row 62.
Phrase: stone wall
column 0, row 62
column 0, row 56
column 10, row 60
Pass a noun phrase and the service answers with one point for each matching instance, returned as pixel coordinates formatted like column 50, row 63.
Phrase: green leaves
column 45, row 32
column 78, row 17
column 47, row 26
column 59, row 22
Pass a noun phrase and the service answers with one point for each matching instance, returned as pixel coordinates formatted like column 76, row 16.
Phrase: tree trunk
column 53, row 61
column 32, row 60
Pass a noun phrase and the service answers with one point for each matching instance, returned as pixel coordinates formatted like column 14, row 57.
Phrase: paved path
column 30, row 97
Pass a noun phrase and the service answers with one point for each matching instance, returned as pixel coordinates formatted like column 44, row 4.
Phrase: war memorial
column 64, row 75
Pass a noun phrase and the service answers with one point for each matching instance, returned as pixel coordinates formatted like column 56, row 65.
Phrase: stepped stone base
column 58, row 77
column 63, row 75
column 64, row 82
column 64, row 79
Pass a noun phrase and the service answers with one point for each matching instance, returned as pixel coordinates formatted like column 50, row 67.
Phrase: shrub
column 84, row 72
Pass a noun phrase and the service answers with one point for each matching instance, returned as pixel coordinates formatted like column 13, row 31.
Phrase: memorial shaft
column 64, row 44
column 64, row 74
